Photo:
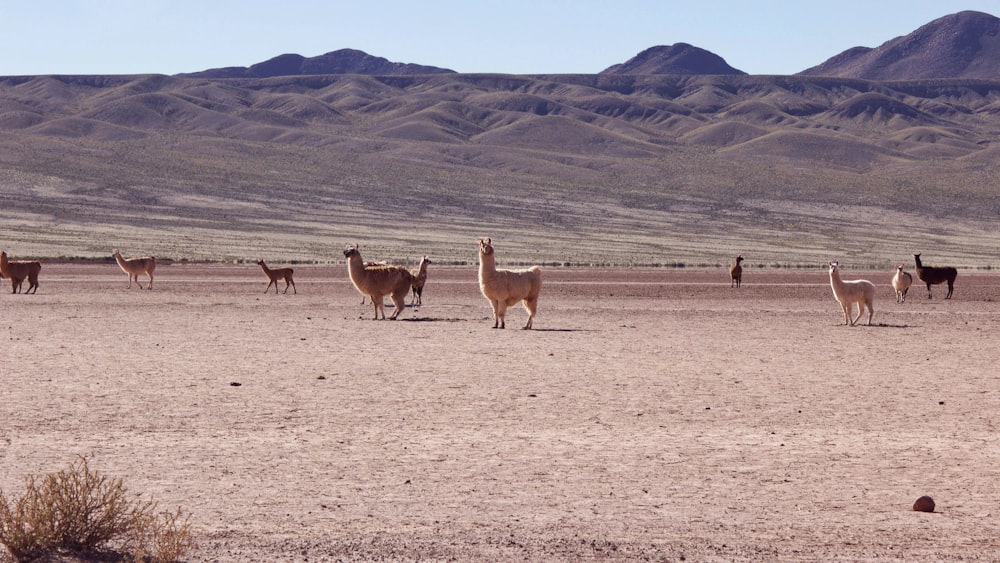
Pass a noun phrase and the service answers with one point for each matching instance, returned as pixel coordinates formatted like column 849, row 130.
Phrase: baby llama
column 419, row 280
column 901, row 283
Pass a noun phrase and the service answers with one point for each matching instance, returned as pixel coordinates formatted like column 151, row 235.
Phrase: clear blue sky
column 512, row 36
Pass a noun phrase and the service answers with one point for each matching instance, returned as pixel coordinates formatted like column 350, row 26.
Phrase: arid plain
column 654, row 414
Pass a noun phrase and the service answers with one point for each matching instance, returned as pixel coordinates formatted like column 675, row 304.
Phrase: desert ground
column 653, row 414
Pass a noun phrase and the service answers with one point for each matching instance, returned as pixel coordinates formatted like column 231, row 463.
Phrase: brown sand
column 651, row 415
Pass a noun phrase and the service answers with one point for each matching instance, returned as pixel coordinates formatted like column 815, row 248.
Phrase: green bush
column 79, row 511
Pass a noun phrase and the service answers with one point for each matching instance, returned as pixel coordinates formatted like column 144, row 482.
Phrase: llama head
column 351, row 251
column 486, row 246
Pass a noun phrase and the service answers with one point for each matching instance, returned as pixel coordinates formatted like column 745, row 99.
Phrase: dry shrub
column 80, row 511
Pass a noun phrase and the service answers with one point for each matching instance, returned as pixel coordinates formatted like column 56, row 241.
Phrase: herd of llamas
column 502, row 288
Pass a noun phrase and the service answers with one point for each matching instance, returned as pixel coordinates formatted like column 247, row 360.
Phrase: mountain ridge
column 608, row 168
column 965, row 44
column 341, row 61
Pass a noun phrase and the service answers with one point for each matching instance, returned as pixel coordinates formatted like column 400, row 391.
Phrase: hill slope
column 962, row 45
column 679, row 58
column 617, row 169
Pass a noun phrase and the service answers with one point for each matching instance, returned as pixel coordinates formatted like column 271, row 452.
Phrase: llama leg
column 530, row 305
column 951, row 287
column 929, row 291
column 871, row 312
column 399, row 301
column 496, row 319
column 861, row 310
column 499, row 312
column 150, row 284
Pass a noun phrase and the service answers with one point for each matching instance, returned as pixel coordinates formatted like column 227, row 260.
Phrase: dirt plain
column 654, row 414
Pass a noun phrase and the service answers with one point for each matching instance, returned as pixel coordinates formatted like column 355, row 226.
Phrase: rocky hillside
column 962, row 45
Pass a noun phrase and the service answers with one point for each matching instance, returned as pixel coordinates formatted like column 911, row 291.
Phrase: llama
column 18, row 270
column 383, row 263
column 277, row 274
column 736, row 272
column 932, row 275
column 849, row 292
column 379, row 281
column 503, row 288
column 135, row 266
column 901, row 283
column 419, row 279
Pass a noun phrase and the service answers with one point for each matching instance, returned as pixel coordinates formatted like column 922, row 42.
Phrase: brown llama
column 18, row 270
column 736, row 272
column 933, row 275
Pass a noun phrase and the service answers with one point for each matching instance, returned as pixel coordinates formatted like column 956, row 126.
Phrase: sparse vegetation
column 79, row 511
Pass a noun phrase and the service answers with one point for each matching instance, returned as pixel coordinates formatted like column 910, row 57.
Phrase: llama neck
column 487, row 264
column 835, row 280
column 120, row 260
column 423, row 267
column 355, row 267
column 265, row 268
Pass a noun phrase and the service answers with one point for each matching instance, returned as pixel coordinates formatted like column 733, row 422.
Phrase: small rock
column 924, row 504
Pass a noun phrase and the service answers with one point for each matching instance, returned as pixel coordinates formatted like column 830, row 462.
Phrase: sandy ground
column 653, row 415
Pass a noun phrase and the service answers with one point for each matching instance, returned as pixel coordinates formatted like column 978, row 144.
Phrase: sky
column 470, row 36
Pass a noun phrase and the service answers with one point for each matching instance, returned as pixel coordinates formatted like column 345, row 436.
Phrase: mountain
column 679, row 58
column 343, row 61
column 962, row 45
column 637, row 165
